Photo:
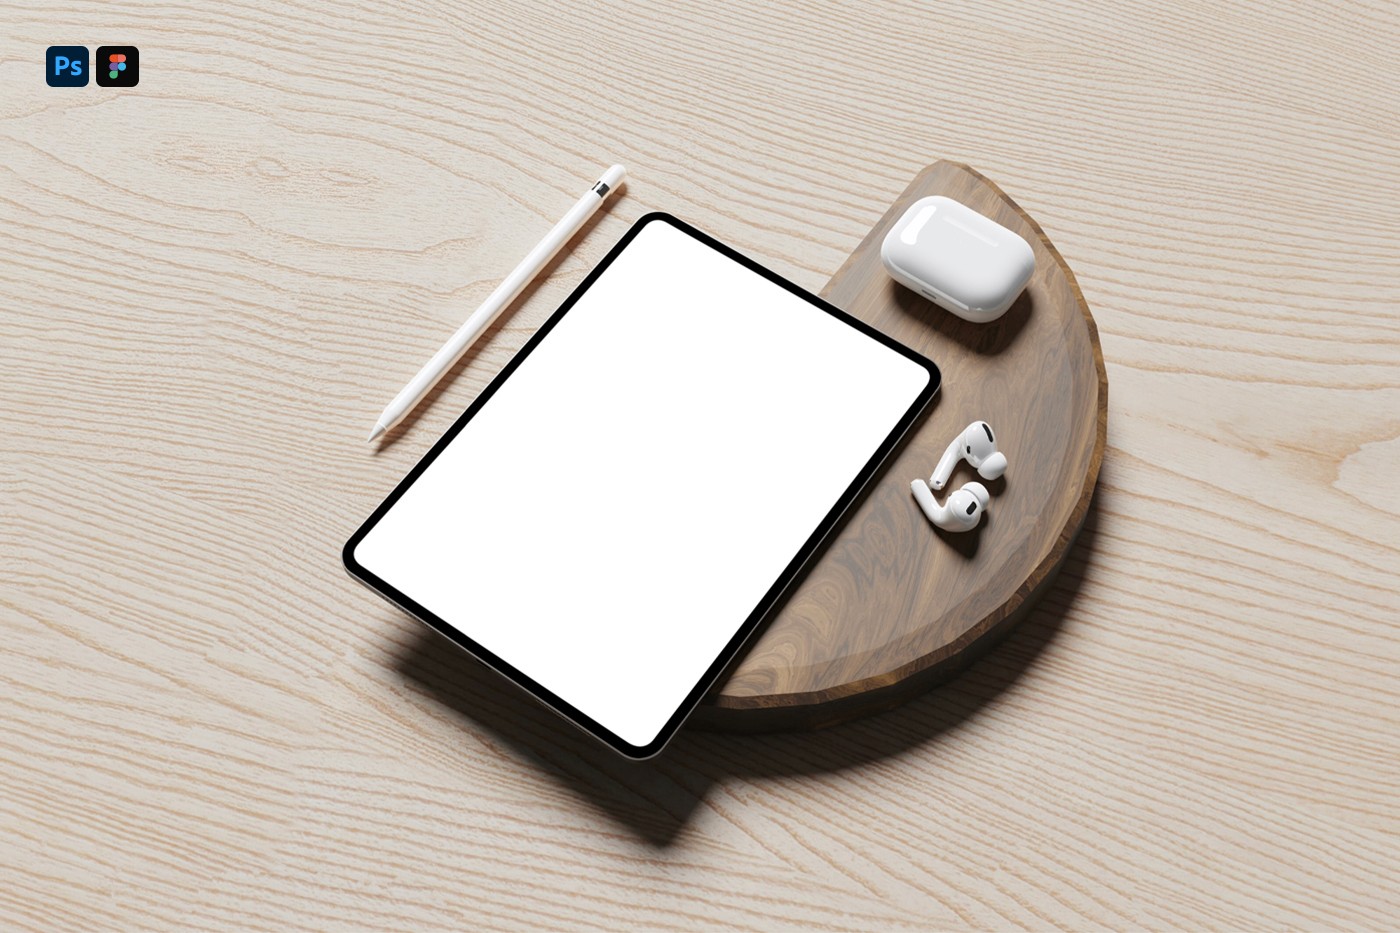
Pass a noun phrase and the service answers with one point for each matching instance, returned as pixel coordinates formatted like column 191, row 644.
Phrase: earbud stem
column 946, row 464
column 927, row 502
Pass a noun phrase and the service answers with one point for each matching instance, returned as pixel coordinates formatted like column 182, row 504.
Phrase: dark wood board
column 893, row 606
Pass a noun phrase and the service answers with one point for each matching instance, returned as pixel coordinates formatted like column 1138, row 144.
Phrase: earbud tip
column 994, row 466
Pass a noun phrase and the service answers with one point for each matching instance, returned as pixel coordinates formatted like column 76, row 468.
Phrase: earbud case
column 964, row 262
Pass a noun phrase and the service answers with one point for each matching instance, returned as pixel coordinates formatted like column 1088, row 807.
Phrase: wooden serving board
column 892, row 606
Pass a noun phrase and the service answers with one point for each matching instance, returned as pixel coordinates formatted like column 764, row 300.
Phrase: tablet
column 612, row 517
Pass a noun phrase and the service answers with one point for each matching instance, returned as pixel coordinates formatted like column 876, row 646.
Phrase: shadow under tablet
column 655, row 799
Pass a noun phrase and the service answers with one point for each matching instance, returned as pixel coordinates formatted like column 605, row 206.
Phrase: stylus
column 497, row 301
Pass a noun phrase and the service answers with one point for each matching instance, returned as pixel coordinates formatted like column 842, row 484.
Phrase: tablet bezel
column 770, row 598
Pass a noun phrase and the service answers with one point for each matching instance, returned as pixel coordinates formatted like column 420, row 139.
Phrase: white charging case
column 964, row 262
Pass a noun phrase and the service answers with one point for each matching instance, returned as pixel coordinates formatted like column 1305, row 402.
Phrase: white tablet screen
column 611, row 513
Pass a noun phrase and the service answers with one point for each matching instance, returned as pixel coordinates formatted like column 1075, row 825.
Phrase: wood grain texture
column 210, row 284
column 892, row 606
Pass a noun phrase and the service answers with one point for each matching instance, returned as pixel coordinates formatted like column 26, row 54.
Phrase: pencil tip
column 378, row 430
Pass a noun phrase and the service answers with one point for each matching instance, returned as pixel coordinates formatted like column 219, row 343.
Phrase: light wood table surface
column 211, row 283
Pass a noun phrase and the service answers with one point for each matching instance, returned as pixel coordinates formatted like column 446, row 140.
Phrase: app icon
column 117, row 65
column 67, row 66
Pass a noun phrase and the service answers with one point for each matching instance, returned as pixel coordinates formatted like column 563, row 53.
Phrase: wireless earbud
column 963, row 510
column 976, row 445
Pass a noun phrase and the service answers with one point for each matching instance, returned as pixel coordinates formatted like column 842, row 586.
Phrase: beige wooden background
column 211, row 284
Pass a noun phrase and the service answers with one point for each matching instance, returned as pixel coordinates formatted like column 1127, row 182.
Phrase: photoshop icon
column 67, row 66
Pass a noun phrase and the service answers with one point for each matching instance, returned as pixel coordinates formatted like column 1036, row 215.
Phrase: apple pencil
column 497, row 301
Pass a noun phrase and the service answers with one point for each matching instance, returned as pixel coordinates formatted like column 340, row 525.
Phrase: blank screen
column 611, row 516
